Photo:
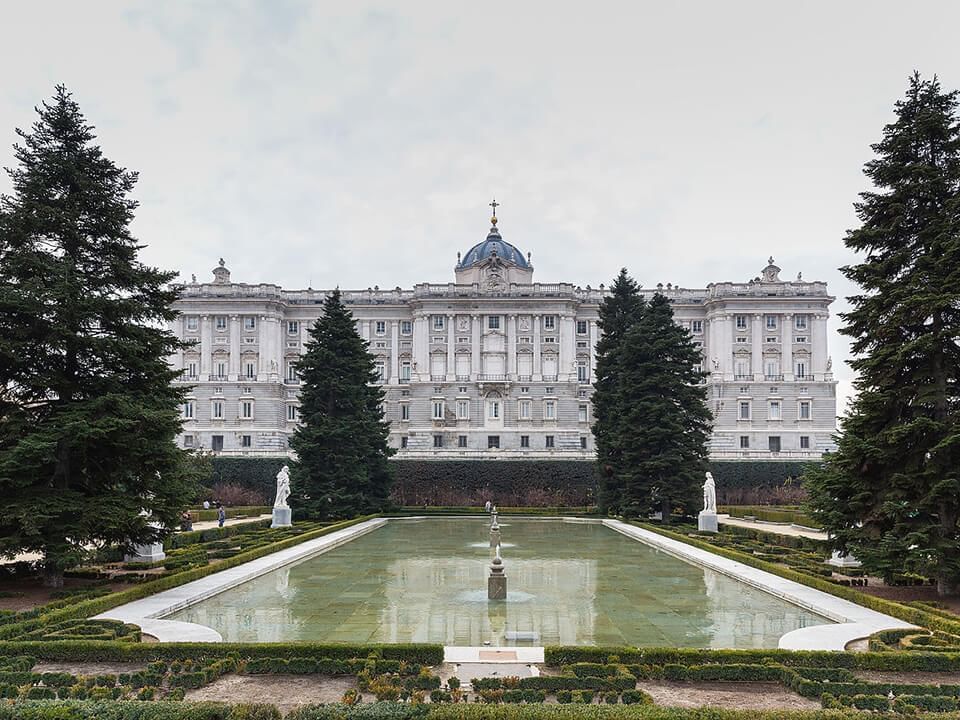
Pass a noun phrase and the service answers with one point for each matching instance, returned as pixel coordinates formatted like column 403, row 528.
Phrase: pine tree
column 342, row 468
column 664, row 420
column 891, row 493
column 88, row 414
column 618, row 312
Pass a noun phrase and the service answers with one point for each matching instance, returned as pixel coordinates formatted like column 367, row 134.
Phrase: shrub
column 251, row 711
column 41, row 693
column 636, row 697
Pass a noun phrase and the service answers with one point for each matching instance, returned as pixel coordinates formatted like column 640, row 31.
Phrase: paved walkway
column 207, row 524
column 778, row 528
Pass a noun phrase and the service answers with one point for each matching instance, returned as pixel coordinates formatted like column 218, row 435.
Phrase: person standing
column 221, row 515
column 487, row 506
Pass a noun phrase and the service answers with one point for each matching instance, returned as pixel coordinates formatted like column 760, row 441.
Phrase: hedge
column 88, row 608
column 256, row 473
column 90, row 710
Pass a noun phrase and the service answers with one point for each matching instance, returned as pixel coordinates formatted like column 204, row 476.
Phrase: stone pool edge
column 149, row 611
column 853, row 622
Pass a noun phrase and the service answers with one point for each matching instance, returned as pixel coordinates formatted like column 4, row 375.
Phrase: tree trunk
column 946, row 585
column 52, row 576
column 665, row 508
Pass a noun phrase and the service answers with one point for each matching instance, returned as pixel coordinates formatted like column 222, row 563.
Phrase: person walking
column 221, row 515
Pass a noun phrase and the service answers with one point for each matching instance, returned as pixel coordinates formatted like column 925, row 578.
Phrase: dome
column 494, row 244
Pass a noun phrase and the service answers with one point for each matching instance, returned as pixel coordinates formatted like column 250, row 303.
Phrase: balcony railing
column 463, row 378
column 189, row 378
column 217, row 378
column 549, row 378
column 743, row 377
column 524, row 378
column 438, row 378
column 248, row 378
column 291, row 381
column 808, row 377
column 492, row 378
column 773, row 378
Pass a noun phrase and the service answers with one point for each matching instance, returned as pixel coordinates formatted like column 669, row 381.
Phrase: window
column 461, row 441
column 218, row 391
column 741, row 322
column 380, row 367
column 246, row 409
column 524, row 441
column 696, row 326
column 463, row 340
column 804, row 442
column 291, row 413
column 216, row 443
column 493, row 408
column 550, row 339
column 548, row 441
column 801, row 369
column 249, row 323
column 438, row 441
column 192, row 322
column 406, row 327
column 216, row 410
column 292, row 371
column 438, row 339
column 800, row 339
column 220, row 369
column 582, row 413
column 741, row 339
column 524, row 409
column 246, row 441
column 462, row 389
column 582, row 344
column 438, row 409
column 550, row 410
column 772, row 339
column 192, row 369
column 463, row 409
column 773, row 443
column 493, row 442
column 221, row 322
column 774, row 410
column 524, row 389
column 188, row 409
column 741, row 369
column 581, row 393
column 188, row 441
column 405, row 371
column 744, row 442
column 583, row 442
column 380, row 327
column 525, row 340
column 800, row 322
column 772, row 369
column 771, row 322
column 404, row 411
column 583, row 372
column 439, row 322
column 743, row 413
column 403, row 442
column 581, row 327
column 549, row 322
column 803, row 410
column 293, row 327
column 493, row 322
column 549, row 390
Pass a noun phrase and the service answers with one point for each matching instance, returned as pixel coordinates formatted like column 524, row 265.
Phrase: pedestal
column 497, row 587
column 281, row 517
column 152, row 552
column 494, row 538
column 838, row 559
column 707, row 522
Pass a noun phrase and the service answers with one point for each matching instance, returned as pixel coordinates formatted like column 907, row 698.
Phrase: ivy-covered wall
column 526, row 483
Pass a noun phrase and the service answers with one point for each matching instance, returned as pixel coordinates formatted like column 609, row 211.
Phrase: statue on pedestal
column 709, row 494
column 283, row 488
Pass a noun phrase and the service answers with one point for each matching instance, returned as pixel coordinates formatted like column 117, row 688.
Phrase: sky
column 356, row 144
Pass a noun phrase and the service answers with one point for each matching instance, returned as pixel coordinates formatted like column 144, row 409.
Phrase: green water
column 570, row 583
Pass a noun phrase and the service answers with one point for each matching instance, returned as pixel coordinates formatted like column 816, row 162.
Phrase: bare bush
column 231, row 494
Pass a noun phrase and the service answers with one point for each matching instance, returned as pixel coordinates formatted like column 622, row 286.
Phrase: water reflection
column 425, row 581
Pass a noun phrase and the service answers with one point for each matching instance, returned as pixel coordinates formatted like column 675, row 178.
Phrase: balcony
column 773, row 378
column 524, row 378
column 804, row 378
column 249, row 378
column 189, row 378
column 549, row 378
column 291, row 381
column 743, row 377
column 463, row 378
column 492, row 378
column 438, row 378
column 217, row 378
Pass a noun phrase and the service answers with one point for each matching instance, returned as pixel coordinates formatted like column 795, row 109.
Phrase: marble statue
column 283, row 487
column 709, row 494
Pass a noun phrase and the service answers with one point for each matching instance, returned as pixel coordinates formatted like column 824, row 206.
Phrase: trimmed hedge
column 92, row 710
column 256, row 473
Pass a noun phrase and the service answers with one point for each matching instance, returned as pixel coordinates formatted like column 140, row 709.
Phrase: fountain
column 497, row 581
column 494, row 530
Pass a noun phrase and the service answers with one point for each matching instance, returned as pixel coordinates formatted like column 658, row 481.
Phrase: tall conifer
column 891, row 494
column 88, row 414
column 341, row 443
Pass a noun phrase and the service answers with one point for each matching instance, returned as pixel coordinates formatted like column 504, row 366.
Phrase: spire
column 494, row 205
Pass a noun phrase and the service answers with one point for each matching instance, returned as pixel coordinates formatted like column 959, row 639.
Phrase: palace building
column 495, row 365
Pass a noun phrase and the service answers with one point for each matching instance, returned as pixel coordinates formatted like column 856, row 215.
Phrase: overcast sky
column 358, row 144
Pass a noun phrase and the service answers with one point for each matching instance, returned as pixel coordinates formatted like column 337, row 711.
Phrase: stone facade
column 496, row 365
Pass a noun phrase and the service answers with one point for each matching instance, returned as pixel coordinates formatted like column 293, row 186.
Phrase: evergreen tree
column 618, row 312
column 664, row 420
column 88, row 414
column 891, row 494
column 341, row 444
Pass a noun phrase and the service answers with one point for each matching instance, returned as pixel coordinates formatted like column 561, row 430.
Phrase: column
column 786, row 345
column 726, row 362
column 234, row 347
column 756, row 347
column 451, row 349
column 568, row 347
column 394, row 352
column 537, row 369
column 364, row 329
column 421, row 347
column 592, row 342
column 263, row 346
column 475, row 347
column 176, row 357
column 512, row 347
column 819, row 350
column 206, row 346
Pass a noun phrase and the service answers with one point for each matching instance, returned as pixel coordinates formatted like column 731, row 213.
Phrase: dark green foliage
column 256, row 473
column 664, row 423
column 341, row 444
column 89, row 414
column 505, row 482
column 891, row 494
column 619, row 311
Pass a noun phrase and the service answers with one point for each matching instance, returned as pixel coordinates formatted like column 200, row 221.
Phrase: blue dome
column 494, row 244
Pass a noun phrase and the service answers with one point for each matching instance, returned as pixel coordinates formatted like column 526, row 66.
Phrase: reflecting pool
column 569, row 583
